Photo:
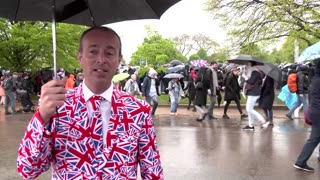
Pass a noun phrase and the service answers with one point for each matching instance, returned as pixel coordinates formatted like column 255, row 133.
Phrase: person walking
column 202, row 85
column 131, row 86
column 314, row 114
column 253, row 81
column 213, row 87
column 302, row 91
column 191, row 89
column 232, row 92
column 9, row 88
column 94, row 131
column 175, row 90
column 267, row 98
column 150, row 89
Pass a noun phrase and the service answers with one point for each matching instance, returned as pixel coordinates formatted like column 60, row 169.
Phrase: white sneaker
column 265, row 125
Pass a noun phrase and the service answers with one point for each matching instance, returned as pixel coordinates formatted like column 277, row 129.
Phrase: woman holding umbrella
column 253, row 82
column 201, row 92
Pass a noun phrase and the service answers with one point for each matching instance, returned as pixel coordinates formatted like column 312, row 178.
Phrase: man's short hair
column 100, row 28
column 213, row 62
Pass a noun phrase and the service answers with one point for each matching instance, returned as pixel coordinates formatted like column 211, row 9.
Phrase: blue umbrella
column 310, row 53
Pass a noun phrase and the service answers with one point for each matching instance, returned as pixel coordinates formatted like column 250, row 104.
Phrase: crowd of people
column 19, row 87
column 93, row 130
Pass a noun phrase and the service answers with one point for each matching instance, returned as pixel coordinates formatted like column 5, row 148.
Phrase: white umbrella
column 173, row 76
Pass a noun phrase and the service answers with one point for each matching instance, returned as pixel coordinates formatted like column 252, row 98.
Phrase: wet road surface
column 191, row 150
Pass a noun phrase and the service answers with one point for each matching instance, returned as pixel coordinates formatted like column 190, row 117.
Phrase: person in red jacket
column 70, row 82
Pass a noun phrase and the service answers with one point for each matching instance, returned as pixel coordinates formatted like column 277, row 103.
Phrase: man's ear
column 79, row 56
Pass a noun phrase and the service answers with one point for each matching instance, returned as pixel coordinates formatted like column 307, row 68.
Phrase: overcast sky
column 185, row 17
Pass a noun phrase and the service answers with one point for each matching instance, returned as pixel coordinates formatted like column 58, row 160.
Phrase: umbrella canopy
column 244, row 59
column 272, row 71
column 199, row 63
column 173, row 76
column 176, row 62
column 310, row 53
column 177, row 68
column 119, row 77
column 84, row 12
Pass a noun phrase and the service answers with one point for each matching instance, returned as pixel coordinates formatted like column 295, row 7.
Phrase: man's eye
column 109, row 53
column 93, row 51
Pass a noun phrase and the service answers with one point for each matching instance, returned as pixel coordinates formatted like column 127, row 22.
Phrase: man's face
column 134, row 77
column 214, row 66
column 236, row 72
column 99, row 58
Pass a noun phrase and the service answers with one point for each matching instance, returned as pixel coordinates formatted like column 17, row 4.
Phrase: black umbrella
column 244, row 59
column 271, row 70
column 176, row 62
column 82, row 12
column 177, row 68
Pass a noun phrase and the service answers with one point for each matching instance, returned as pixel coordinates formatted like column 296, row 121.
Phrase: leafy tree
column 194, row 57
column 143, row 70
column 162, row 59
column 221, row 55
column 260, row 20
column 251, row 49
column 202, row 54
column 28, row 45
column 153, row 46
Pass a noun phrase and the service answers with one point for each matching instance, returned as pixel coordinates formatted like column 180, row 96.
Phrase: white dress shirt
column 105, row 107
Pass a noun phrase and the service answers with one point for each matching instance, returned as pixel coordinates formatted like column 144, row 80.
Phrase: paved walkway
column 208, row 150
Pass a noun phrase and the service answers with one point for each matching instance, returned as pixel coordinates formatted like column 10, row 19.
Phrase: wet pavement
column 191, row 150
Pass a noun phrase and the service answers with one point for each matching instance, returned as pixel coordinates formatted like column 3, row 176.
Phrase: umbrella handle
column 54, row 41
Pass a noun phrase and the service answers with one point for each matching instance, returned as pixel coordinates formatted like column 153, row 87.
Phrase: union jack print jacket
column 76, row 151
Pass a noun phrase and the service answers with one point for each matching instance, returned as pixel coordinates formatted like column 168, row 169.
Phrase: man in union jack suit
column 94, row 131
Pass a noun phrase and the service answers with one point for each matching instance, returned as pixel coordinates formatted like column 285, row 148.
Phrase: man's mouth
column 100, row 70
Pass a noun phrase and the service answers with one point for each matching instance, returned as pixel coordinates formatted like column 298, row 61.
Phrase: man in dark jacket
column 232, row 92
column 314, row 114
column 302, row 91
column 150, row 89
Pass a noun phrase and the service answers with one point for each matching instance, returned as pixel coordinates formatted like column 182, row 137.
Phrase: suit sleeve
column 149, row 157
column 35, row 150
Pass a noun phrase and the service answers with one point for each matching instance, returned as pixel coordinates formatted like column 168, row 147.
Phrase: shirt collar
column 87, row 93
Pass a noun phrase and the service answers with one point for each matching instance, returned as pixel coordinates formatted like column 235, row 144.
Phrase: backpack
column 292, row 82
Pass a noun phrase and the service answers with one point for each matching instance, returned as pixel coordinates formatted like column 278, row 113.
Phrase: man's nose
column 102, row 59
